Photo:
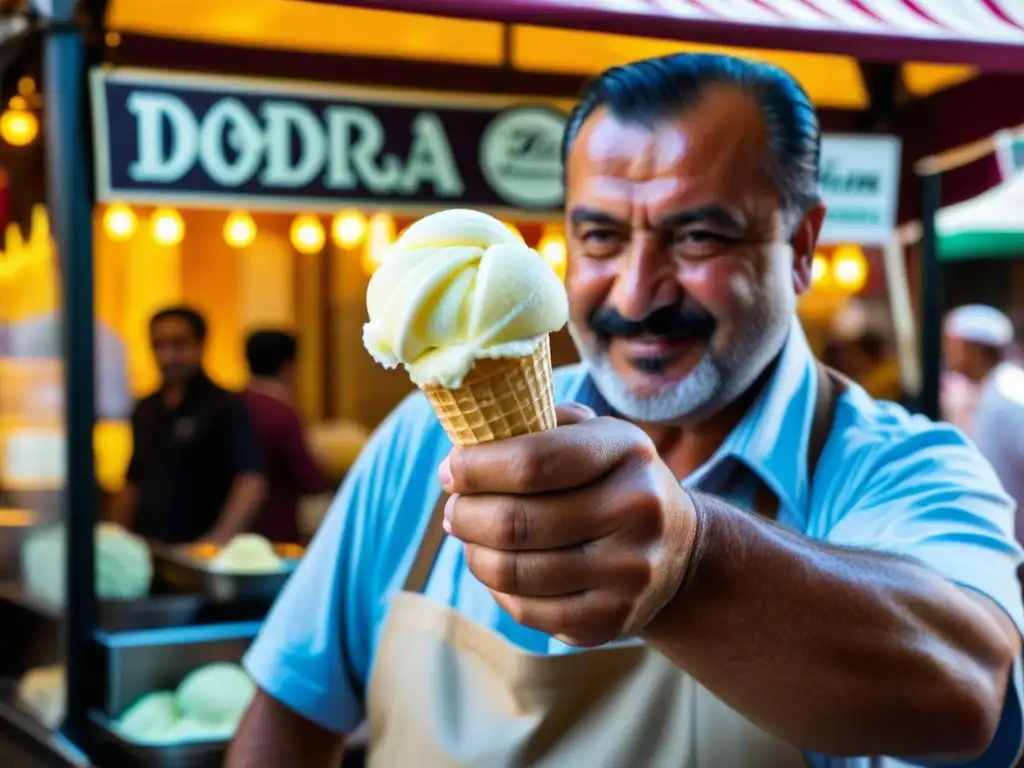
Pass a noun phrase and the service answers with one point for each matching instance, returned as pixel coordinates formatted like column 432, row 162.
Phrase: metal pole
column 70, row 206
column 932, row 292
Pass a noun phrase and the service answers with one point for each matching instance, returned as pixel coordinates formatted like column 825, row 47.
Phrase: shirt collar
column 772, row 437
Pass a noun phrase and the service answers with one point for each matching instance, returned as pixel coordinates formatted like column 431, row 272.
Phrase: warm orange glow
column 553, row 249
column 348, row 229
column 312, row 27
column 926, row 79
column 379, row 238
column 167, row 227
column 239, row 229
column 18, row 127
column 307, row 234
column 120, row 223
column 831, row 80
column 819, row 269
column 849, row 268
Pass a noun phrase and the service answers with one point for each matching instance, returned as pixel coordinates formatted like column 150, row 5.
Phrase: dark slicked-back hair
column 655, row 89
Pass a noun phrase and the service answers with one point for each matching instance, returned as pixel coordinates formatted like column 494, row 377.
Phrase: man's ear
column 804, row 242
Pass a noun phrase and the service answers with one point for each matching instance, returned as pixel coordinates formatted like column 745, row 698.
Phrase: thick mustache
column 677, row 322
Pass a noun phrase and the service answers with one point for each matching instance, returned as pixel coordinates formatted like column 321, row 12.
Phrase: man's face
column 682, row 275
column 178, row 352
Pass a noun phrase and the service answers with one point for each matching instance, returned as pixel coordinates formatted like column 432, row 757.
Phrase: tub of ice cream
column 247, row 569
column 189, row 727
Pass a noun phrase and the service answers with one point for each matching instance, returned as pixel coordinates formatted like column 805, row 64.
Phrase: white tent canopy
column 989, row 225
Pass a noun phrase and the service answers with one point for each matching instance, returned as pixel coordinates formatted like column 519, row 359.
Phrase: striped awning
column 987, row 33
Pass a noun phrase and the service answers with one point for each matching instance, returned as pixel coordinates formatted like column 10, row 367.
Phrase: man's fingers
column 557, row 459
column 556, row 573
column 540, row 574
column 523, row 523
column 585, row 619
column 573, row 413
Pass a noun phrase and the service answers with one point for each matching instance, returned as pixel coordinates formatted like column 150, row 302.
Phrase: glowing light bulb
column 18, row 127
column 819, row 269
column 849, row 268
column 380, row 236
column 120, row 223
column 307, row 234
column 239, row 229
column 553, row 250
column 348, row 229
column 167, row 227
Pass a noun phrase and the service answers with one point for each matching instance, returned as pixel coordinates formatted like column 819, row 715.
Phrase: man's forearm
column 122, row 509
column 243, row 503
column 272, row 736
column 835, row 650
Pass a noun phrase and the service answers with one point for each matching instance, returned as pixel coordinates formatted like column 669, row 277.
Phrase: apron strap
column 430, row 547
column 831, row 386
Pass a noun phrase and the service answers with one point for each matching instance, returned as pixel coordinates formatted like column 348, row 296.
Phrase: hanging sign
column 273, row 145
column 860, row 183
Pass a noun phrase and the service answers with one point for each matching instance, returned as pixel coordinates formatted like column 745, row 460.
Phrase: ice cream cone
column 499, row 398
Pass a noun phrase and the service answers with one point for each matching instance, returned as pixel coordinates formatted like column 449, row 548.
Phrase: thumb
column 573, row 413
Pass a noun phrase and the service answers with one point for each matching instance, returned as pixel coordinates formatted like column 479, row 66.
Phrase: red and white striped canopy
column 989, row 33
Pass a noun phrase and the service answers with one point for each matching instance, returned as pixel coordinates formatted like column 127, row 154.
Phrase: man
column 291, row 471
column 978, row 339
column 975, row 339
column 877, row 614
column 195, row 471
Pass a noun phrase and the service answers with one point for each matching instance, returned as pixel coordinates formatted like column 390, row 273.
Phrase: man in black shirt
column 195, row 472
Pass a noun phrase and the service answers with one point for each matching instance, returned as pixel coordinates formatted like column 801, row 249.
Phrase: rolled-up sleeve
column 315, row 642
column 932, row 497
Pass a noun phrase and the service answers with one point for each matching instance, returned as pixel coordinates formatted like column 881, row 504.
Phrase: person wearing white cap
column 977, row 341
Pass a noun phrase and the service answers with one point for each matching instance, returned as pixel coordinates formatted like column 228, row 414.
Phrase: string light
column 348, row 229
column 167, row 227
column 380, row 236
column 819, row 269
column 18, row 126
column 239, row 229
column 120, row 223
column 307, row 234
column 849, row 268
column 553, row 249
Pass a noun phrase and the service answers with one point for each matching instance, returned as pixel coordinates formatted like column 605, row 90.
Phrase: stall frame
column 70, row 199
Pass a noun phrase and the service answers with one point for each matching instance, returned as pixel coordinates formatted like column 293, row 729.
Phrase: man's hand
column 581, row 532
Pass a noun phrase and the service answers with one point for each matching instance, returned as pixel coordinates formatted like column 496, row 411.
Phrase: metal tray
column 186, row 569
column 152, row 612
column 116, row 750
column 132, row 664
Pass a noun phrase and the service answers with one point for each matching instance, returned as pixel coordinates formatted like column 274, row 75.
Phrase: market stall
column 976, row 231
column 285, row 227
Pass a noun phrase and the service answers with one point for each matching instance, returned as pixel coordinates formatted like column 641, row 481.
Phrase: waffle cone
column 498, row 399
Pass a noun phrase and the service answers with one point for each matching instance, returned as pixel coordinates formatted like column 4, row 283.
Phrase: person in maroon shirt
column 291, row 471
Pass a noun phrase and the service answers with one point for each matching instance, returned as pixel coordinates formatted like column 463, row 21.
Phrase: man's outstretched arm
column 271, row 736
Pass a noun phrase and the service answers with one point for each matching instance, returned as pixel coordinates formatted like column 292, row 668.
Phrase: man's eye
column 699, row 237
column 599, row 237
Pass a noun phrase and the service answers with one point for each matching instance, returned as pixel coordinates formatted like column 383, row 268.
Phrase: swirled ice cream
column 457, row 287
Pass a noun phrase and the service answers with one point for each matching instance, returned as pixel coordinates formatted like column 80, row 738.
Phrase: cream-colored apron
column 445, row 692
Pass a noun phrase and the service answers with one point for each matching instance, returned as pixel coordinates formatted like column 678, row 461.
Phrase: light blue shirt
column 886, row 481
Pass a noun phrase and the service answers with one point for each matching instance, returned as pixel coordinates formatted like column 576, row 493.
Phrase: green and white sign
column 860, row 182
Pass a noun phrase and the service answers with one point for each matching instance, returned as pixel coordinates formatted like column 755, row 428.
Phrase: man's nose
column 646, row 282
